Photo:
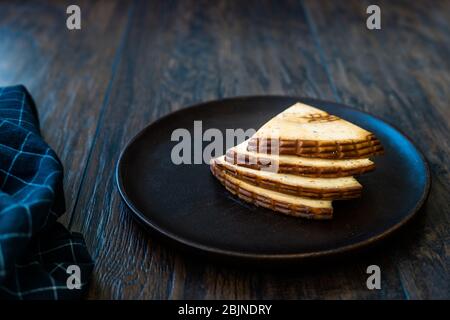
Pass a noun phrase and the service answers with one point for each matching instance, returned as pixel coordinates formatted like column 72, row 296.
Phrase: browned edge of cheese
column 266, row 202
column 260, row 162
column 313, row 193
column 315, row 149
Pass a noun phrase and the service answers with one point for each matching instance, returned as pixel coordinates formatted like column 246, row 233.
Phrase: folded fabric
column 39, row 258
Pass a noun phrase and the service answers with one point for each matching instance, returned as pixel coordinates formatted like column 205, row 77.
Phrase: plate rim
column 256, row 256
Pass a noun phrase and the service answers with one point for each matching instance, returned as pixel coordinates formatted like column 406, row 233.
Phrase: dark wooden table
column 133, row 62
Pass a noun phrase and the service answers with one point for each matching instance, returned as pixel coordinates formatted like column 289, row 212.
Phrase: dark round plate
column 188, row 205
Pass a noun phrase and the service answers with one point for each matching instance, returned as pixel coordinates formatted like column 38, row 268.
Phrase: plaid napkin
column 39, row 258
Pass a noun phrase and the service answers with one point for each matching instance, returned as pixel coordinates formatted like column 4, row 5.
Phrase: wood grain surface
column 135, row 61
column 67, row 73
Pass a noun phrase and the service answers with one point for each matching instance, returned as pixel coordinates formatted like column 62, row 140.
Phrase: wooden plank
column 178, row 53
column 401, row 73
column 67, row 72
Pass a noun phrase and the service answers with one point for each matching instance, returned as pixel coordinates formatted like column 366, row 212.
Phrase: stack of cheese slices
column 298, row 162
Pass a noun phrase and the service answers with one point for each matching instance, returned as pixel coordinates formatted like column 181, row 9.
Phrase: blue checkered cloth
column 39, row 258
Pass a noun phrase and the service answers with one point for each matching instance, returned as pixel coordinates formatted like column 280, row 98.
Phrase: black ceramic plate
column 188, row 205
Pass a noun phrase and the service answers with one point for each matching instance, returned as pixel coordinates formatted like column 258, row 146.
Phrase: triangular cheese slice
column 315, row 188
column 311, row 167
column 310, row 132
column 284, row 203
